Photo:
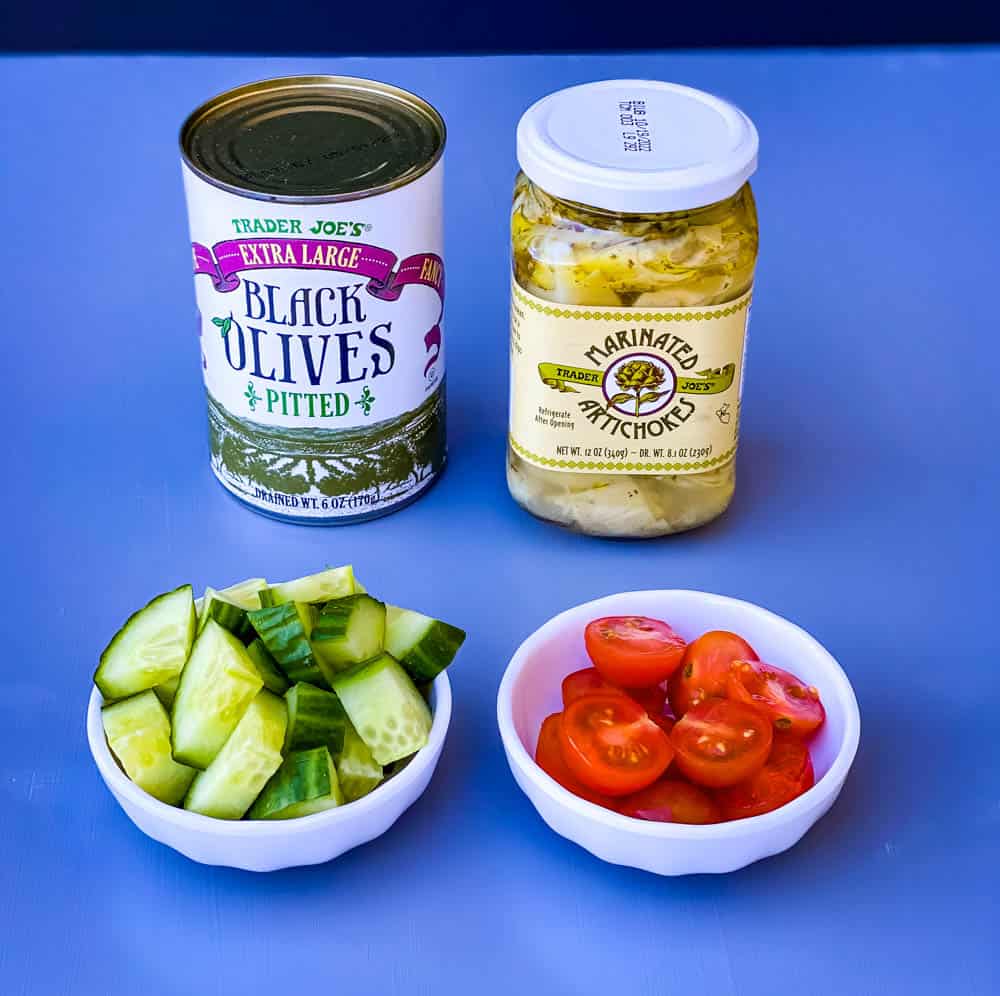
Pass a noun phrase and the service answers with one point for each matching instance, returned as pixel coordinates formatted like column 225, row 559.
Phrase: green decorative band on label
column 633, row 315
column 321, row 474
column 711, row 381
column 555, row 375
column 708, row 381
column 686, row 466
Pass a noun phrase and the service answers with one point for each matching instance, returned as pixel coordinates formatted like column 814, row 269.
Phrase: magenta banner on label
column 225, row 260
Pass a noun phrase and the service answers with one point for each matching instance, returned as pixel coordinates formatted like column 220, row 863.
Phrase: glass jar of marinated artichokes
column 634, row 239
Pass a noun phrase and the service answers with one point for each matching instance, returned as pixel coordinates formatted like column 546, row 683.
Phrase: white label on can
column 321, row 344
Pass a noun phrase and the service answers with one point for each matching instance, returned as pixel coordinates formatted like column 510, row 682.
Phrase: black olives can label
column 315, row 210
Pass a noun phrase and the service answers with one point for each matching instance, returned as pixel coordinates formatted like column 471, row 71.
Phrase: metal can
column 315, row 209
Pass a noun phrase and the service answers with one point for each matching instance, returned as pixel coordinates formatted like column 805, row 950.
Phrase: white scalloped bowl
column 530, row 691
column 267, row 845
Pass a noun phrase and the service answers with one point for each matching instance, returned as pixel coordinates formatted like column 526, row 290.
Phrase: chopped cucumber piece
column 217, row 684
column 305, row 783
column 424, row 646
column 272, row 675
column 167, row 691
column 227, row 614
column 313, row 588
column 285, row 630
column 315, row 718
column 228, row 786
column 348, row 631
column 245, row 594
column 385, row 707
column 138, row 732
column 150, row 648
column 357, row 770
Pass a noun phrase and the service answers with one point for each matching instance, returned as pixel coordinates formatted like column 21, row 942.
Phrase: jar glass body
column 570, row 253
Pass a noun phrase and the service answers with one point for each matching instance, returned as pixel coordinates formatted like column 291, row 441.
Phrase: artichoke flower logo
column 639, row 383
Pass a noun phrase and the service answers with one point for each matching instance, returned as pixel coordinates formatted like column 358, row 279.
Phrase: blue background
column 463, row 26
column 866, row 511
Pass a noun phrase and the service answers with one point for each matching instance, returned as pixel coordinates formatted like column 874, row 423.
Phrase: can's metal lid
column 313, row 139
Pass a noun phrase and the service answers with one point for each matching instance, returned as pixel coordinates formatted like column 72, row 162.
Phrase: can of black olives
column 315, row 210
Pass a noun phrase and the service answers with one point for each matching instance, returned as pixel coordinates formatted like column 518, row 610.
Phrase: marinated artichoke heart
column 571, row 254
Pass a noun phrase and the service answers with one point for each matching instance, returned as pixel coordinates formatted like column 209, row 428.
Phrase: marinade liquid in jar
column 634, row 237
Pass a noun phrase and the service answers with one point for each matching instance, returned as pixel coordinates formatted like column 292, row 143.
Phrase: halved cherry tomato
column 786, row 775
column 589, row 680
column 611, row 745
column 671, row 801
column 790, row 704
column 705, row 668
column 548, row 756
column 633, row 651
column 720, row 743
column 584, row 682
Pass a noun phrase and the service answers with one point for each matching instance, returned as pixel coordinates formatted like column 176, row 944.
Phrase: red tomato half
column 786, row 775
column 705, row 668
column 584, row 682
column 671, row 801
column 633, row 651
column 548, row 756
column 787, row 701
column 720, row 743
column 589, row 680
column 611, row 745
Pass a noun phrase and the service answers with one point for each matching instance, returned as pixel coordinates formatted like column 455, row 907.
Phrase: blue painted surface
column 866, row 511
column 441, row 26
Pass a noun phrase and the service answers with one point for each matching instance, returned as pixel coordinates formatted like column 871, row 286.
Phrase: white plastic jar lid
column 637, row 146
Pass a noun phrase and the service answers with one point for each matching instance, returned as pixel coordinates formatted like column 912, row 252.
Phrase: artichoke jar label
column 626, row 390
column 321, row 346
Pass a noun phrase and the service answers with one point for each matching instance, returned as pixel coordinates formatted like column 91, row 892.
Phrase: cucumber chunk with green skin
column 273, row 677
column 138, row 733
column 167, row 692
column 313, row 588
column 315, row 718
column 305, row 783
column 385, row 707
column 217, row 685
column 227, row 788
column 424, row 646
column 348, row 631
column 150, row 648
column 357, row 770
column 285, row 630
column 245, row 594
column 227, row 614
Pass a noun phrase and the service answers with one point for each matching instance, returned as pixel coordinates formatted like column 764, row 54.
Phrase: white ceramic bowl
column 530, row 691
column 266, row 845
